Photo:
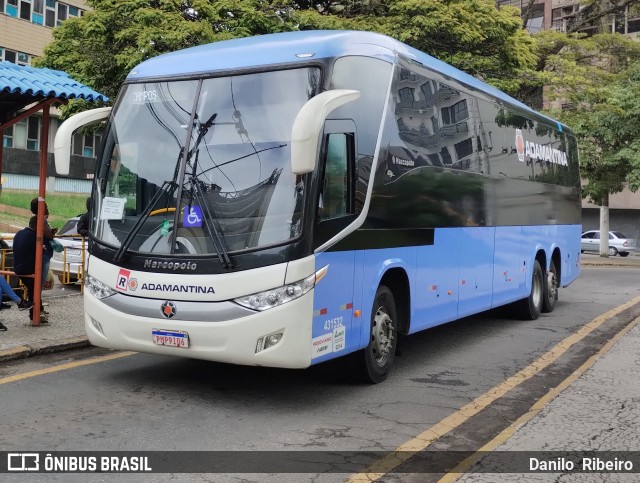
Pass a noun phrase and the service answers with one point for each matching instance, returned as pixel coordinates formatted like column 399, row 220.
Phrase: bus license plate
column 173, row 338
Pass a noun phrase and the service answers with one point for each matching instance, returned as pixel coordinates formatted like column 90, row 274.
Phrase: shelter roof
column 21, row 85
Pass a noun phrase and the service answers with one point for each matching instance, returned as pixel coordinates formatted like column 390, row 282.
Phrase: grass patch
column 61, row 206
column 14, row 220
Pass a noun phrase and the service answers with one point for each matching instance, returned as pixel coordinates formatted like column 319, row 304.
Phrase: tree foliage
column 101, row 47
column 609, row 132
column 469, row 34
column 593, row 82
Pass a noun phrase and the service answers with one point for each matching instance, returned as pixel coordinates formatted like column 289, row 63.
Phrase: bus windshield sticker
column 194, row 216
column 112, row 208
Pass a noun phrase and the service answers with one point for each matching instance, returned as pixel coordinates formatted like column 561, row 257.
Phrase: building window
column 33, row 133
column 62, row 13
column 20, row 135
column 406, row 97
column 10, row 56
column 446, row 156
column 85, row 145
column 427, row 92
column 25, row 10
column 14, row 57
column 455, row 113
column 38, row 11
column 11, row 8
column 464, row 148
column 7, row 138
column 535, row 21
column 42, row 12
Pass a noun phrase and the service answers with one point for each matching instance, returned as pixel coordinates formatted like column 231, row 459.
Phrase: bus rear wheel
column 376, row 359
column 530, row 307
column 551, row 287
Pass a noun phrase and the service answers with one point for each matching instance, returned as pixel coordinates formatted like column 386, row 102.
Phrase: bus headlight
column 281, row 295
column 98, row 289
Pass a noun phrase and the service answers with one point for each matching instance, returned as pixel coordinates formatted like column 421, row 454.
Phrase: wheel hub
column 552, row 284
column 382, row 334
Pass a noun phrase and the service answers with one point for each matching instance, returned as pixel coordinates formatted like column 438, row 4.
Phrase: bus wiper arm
column 214, row 231
column 167, row 187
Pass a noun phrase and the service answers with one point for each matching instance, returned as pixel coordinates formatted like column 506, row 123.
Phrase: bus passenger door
column 332, row 332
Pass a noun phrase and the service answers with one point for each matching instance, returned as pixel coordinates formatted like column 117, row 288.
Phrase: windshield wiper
column 210, row 217
column 211, row 224
column 168, row 187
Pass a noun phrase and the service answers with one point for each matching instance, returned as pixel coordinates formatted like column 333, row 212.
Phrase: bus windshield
column 231, row 189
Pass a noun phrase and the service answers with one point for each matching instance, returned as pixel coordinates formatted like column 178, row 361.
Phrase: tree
column 100, row 48
column 470, row 34
column 606, row 123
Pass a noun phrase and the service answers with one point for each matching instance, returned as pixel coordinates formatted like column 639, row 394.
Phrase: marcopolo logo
column 149, row 263
column 168, row 309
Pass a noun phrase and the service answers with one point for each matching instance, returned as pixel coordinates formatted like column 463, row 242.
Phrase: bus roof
column 300, row 47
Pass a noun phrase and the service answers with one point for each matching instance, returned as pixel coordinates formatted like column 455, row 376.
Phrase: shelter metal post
column 37, row 282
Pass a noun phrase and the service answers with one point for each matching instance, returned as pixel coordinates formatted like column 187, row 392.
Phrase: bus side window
column 336, row 188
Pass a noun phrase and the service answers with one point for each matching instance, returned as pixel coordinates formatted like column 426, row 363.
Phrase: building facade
column 26, row 27
column 566, row 16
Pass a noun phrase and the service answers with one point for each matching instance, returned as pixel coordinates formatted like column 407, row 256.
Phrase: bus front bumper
column 231, row 341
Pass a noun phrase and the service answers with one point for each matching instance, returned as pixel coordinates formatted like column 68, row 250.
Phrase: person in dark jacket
column 85, row 220
column 47, row 236
column 24, row 256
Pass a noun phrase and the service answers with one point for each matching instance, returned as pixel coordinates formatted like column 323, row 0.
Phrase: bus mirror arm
column 62, row 142
column 308, row 125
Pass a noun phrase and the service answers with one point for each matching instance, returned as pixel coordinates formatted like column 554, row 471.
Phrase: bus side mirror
column 62, row 142
column 308, row 125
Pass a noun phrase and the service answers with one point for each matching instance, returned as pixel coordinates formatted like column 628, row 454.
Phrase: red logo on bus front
column 122, row 282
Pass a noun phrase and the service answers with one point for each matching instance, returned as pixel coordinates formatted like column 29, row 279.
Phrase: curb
column 29, row 350
column 609, row 264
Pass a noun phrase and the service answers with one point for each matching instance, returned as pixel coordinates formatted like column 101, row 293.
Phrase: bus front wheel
column 376, row 359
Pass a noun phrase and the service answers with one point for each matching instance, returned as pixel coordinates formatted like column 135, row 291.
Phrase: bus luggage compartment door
column 333, row 307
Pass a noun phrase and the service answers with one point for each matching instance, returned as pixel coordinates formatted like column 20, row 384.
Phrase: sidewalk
column 597, row 414
column 65, row 331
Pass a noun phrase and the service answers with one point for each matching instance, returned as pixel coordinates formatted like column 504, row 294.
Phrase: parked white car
column 618, row 243
column 67, row 265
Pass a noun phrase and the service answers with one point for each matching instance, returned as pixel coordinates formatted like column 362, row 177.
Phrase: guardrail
column 69, row 271
column 7, row 272
column 72, row 272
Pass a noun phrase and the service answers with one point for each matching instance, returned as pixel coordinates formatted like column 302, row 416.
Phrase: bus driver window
column 334, row 194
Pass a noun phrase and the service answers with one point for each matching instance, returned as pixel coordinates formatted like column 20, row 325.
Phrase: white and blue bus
column 287, row 199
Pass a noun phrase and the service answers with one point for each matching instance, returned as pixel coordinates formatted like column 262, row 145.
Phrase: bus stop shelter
column 24, row 91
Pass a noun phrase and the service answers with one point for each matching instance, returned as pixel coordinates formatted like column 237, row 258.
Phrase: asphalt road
column 146, row 402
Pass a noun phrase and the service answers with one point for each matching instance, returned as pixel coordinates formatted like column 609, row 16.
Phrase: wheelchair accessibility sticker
column 194, row 216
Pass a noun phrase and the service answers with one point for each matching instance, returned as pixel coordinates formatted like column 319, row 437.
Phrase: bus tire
column 376, row 359
column 530, row 307
column 551, row 286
